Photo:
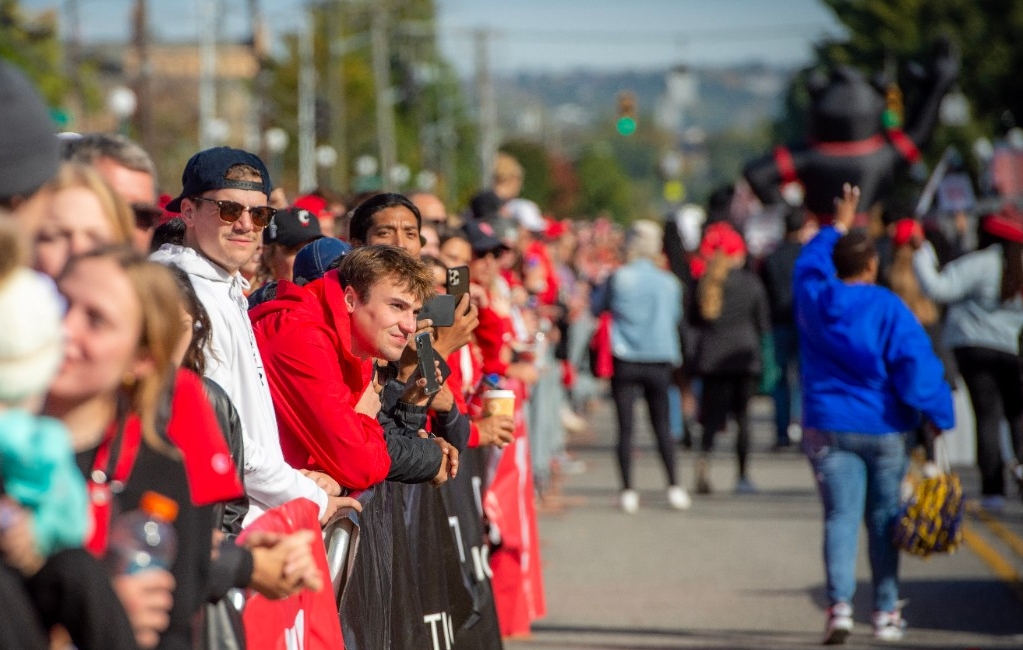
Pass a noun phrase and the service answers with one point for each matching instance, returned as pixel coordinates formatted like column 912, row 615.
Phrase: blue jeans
column 786, row 395
column 859, row 476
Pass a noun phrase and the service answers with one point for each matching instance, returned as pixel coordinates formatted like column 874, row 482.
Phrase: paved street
column 745, row 571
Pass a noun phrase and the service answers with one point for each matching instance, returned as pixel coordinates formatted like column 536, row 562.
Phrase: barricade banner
column 307, row 620
column 381, row 594
column 463, row 503
column 446, row 603
column 515, row 558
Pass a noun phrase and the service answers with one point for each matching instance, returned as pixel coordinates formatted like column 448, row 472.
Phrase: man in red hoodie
column 318, row 343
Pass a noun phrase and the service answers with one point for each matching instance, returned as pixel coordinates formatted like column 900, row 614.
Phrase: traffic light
column 891, row 118
column 625, row 122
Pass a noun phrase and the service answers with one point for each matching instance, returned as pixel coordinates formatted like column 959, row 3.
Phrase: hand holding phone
column 440, row 310
column 458, row 281
column 427, row 366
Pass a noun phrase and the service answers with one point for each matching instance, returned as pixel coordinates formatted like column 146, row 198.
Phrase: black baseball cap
column 205, row 171
column 482, row 237
column 292, row 227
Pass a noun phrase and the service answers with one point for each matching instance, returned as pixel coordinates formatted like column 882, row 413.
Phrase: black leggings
column 630, row 379
column 723, row 395
column 995, row 382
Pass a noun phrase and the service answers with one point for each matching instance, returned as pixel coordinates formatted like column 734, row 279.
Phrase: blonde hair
column 160, row 301
column 710, row 290
column 905, row 285
column 115, row 209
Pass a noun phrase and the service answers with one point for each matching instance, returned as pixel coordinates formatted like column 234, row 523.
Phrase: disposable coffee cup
column 498, row 402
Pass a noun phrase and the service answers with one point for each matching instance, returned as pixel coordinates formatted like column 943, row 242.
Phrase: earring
column 128, row 379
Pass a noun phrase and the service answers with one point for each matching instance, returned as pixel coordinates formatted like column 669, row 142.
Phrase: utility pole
column 207, row 72
column 254, row 122
column 448, row 141
column 71, row 59
column 336, row 96
column 143, row 94
column 306, row 107
column 487, row 107
column 382, row 82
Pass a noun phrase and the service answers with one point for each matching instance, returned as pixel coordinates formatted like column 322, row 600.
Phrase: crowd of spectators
column 235, row 351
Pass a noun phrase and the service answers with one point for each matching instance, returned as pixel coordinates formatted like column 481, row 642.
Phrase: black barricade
column 446, row 605
column 422, row 549
column 379, row 598
column 463, row 501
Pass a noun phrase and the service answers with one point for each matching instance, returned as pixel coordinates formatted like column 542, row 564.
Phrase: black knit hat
column 29, row 151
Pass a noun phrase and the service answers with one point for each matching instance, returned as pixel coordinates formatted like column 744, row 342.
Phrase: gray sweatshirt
column 970, row 286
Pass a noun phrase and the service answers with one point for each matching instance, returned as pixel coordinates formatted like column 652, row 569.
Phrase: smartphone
column 440, row 309
column 427, row 362
column 458, row 281
column 385, row 373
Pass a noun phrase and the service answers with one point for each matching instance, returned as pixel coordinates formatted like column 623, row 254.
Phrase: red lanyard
column 115, row 458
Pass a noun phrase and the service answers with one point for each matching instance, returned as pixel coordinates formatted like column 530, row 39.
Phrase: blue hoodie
column 867, row 364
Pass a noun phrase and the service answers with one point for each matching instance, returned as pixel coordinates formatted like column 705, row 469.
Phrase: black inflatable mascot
column 848, row 141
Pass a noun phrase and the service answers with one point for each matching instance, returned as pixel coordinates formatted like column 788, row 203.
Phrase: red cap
column 905, row 229
column 555, row 228
column 722, row 237
column 315, row 204
column 1007, row 224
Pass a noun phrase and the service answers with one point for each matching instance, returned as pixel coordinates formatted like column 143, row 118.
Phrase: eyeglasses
column 231, row 211
column 146, row 215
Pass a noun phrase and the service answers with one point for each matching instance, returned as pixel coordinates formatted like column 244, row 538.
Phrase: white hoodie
column 233, row 361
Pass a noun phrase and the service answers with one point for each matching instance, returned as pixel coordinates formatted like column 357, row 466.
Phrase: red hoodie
column 304, row 337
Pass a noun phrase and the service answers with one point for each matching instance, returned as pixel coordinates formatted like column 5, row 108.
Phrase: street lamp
column 326, row 158
column 121, row 102
column 275, row 139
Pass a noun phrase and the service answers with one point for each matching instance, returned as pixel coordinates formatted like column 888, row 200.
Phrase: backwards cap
column 206, row 171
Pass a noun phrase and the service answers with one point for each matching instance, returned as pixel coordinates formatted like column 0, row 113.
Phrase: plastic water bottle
column 144, row 538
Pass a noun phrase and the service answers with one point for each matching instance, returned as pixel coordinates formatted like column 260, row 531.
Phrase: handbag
column 931, row 519
column 601, row 360
column 601, row 356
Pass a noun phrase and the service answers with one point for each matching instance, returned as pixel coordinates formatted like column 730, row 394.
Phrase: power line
column 611, row 38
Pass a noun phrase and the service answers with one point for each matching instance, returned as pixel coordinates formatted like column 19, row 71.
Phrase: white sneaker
column 839, row 625
column 678, row 498
column 889, row 626
column 629, row 501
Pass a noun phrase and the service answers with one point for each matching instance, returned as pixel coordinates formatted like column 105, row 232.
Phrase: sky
column 541, row 35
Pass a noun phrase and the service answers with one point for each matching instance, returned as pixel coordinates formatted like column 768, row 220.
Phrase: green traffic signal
column 626, row 125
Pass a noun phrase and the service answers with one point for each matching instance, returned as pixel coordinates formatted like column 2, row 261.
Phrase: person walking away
column 869, row 376
column 645, row 303
column 733, row 325
column 985, row 314
column 777, row 276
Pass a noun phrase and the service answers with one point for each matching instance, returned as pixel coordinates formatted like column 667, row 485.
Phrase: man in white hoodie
column 223, row 203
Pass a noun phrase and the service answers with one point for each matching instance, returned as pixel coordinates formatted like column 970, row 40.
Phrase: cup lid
column 499, row 392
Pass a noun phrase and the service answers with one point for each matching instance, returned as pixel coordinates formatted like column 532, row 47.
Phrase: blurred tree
column 565, row 199
column 433, row 130
column 603, row 185
column 31, row 42
column 538, row 184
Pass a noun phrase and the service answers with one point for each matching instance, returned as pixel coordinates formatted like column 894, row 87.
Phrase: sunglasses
column 146, row 215
column 231, row 211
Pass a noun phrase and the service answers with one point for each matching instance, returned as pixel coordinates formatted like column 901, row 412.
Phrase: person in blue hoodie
column 869, row 376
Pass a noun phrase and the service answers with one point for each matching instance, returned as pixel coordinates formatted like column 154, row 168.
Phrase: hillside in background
column 726, row 99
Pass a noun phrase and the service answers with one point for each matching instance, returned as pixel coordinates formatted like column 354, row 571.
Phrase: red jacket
column 304, row 337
